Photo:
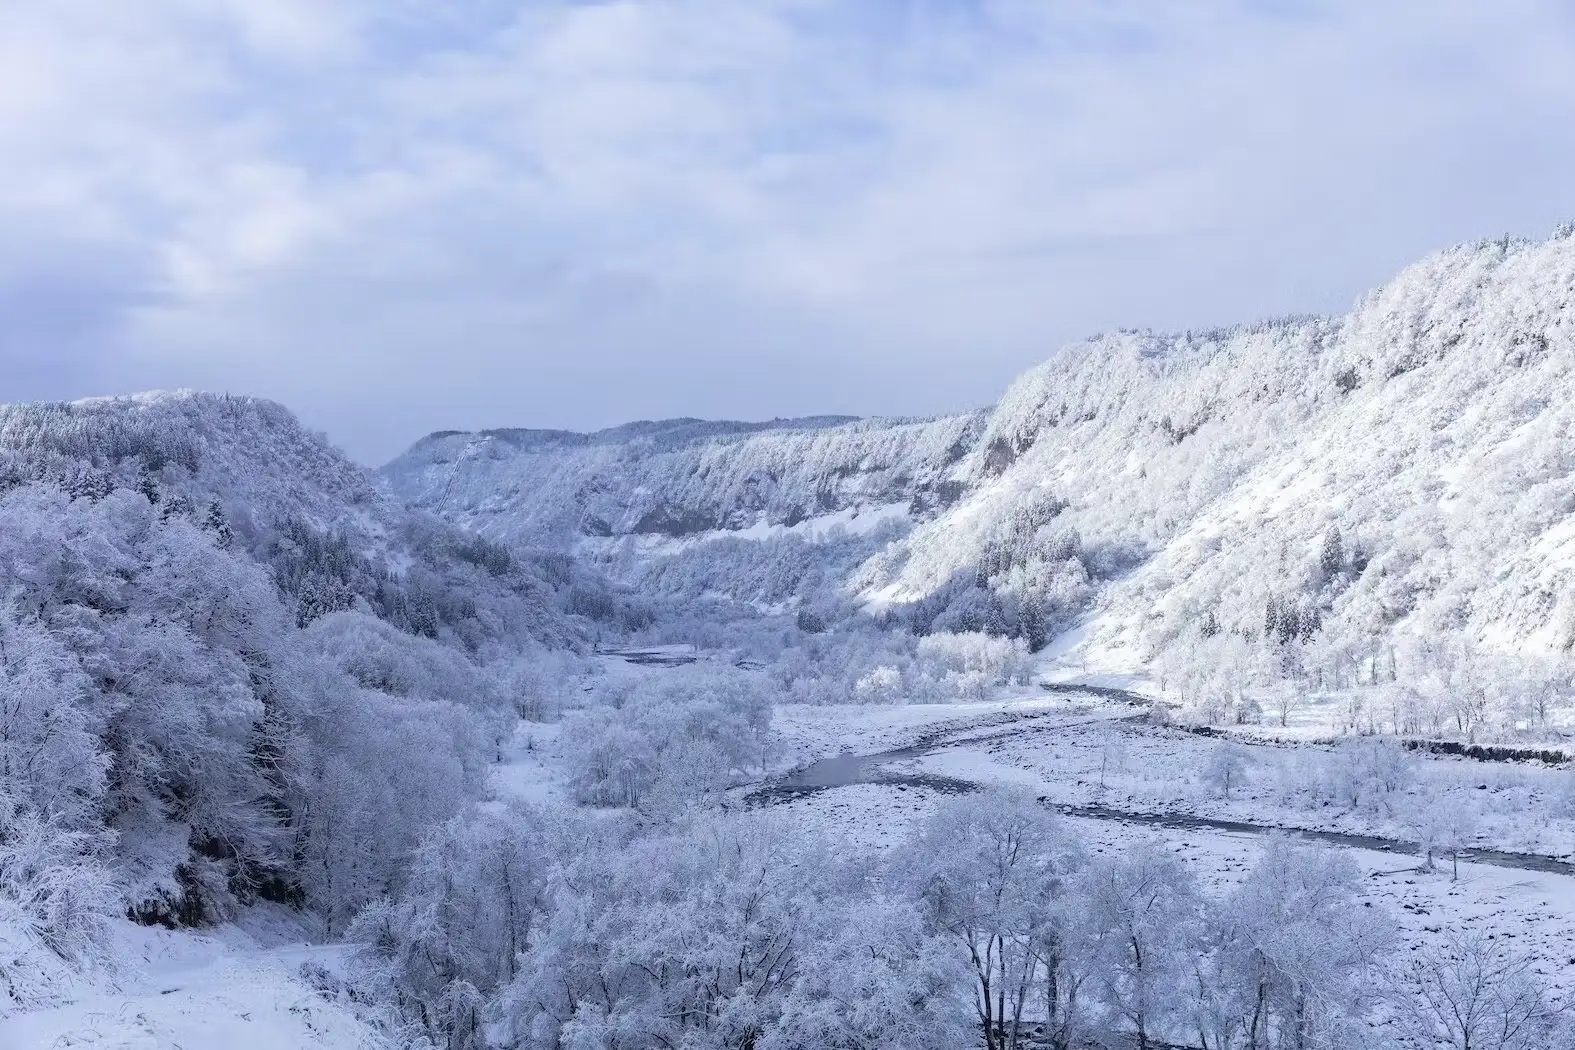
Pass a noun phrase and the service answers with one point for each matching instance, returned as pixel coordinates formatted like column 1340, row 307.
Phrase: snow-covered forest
column 1211, row 690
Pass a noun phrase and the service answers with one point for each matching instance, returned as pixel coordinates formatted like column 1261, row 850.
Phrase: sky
column 398, row 216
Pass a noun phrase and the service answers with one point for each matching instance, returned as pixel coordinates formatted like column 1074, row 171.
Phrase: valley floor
column 1085, row 754
column 867, row 775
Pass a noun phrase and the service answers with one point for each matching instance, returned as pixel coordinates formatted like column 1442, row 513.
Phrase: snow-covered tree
column 1444, row 827
column 1469, row 992
column 1143, row 912
column 461, row 926
column 983, row 870
column 1225, row 769
column 724, row 934
column 51, row 765
column 1291, row 956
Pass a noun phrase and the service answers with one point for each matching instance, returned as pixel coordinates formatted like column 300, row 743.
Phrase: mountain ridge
column 668, row 431
column 1133, row 453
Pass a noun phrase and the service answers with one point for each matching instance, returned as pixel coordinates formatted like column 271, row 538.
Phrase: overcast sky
column 397, row 216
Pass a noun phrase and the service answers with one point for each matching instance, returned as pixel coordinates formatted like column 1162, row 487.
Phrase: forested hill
column 677, row 477
column 231, row 667
column 1337, row 483
column 323, row 527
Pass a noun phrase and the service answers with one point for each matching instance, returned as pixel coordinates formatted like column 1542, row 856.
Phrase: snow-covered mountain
column 241, row 676
column 1408, row 463
column 677, row 477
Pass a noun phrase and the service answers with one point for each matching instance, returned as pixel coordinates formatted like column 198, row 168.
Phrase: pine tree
column 176, row 506
column 217, row 524
column 1331, row 560
column 148, row 485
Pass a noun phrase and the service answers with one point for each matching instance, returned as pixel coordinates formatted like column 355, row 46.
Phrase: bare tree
column 1470, row 993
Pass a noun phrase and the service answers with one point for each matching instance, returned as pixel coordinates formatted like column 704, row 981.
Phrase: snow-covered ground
column 1068, row 748
column 237, row 987
column 1081, row 655
column 1147, row 769
column 529, row 768
column 806, row 733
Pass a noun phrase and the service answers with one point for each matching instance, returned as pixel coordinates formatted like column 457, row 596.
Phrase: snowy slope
column 678, row 477
column 180, row 988
column 1195, row 476
column 1427, row 425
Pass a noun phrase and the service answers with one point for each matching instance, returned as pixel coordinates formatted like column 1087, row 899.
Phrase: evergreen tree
column 216, row 524
column 148, row 485
column 1331, row 559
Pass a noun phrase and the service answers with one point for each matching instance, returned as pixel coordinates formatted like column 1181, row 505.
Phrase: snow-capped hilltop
column 325, row 527
column 244, row 451
column 1174, row 380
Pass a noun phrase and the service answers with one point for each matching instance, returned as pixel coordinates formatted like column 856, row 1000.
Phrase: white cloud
column 402, row 215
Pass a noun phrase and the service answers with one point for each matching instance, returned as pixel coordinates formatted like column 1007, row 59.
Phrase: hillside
column 322, row 525
column 1334, row 485
column 675, row 478
column 1346, row 484
column 213, row 623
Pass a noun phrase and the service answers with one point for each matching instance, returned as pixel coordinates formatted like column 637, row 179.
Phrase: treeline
column 992, row 923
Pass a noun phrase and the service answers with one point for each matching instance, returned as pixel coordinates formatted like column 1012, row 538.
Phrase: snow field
column 226, row 989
